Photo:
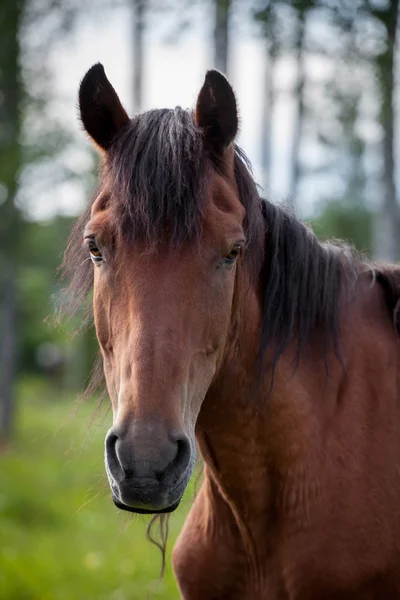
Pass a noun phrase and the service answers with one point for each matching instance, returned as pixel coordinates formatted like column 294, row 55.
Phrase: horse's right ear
column 102, row 113
column 216, row 112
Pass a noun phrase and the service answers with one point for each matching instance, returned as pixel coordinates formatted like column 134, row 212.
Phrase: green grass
column 61, row 538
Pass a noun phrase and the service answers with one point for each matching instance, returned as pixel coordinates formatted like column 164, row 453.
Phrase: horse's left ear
column 216, row 112
column 102, row 113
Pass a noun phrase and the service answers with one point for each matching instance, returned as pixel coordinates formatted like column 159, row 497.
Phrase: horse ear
column 101, row 111
column 216, row 112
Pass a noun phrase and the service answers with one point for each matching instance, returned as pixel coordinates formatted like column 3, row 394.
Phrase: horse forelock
column 156, row 174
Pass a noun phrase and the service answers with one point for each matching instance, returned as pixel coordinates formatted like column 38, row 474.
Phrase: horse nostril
column 123, row 451
column 113, row 462
column 182, row 457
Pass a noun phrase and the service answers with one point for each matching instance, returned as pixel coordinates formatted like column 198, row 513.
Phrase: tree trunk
column 295, row 159
column 8, row 350
column 138, row 43
column 221, row 34
column 387, row 246
column 10, row 222
column 266, row 124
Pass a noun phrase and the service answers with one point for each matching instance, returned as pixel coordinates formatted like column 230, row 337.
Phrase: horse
column 225, row 326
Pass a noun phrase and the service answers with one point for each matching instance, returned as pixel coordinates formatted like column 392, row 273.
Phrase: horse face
column 162, row 318
column 163, row 311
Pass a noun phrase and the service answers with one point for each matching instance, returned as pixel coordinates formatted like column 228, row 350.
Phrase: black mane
column 157, row 174
column 304, row 283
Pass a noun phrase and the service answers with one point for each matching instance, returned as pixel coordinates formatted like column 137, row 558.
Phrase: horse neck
column 254, row 441
column 231, row 425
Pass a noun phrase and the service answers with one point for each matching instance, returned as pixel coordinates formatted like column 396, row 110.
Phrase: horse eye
column 95, row 253
column 232, row 256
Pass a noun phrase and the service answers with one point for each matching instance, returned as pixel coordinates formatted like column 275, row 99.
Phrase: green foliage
column 61, row 538
column 39, row 255
column 352, row 223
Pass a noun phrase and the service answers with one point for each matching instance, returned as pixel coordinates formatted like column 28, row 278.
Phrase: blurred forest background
column 317, row 83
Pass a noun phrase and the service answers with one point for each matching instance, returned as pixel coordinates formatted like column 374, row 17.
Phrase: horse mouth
column 145, row 511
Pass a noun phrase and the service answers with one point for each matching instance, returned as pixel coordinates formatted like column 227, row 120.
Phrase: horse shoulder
column 344, row 535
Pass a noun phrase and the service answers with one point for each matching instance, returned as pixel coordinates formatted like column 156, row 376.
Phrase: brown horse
column 223, row 321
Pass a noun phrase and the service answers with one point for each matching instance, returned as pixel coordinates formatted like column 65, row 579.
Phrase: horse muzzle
column 148, row 467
